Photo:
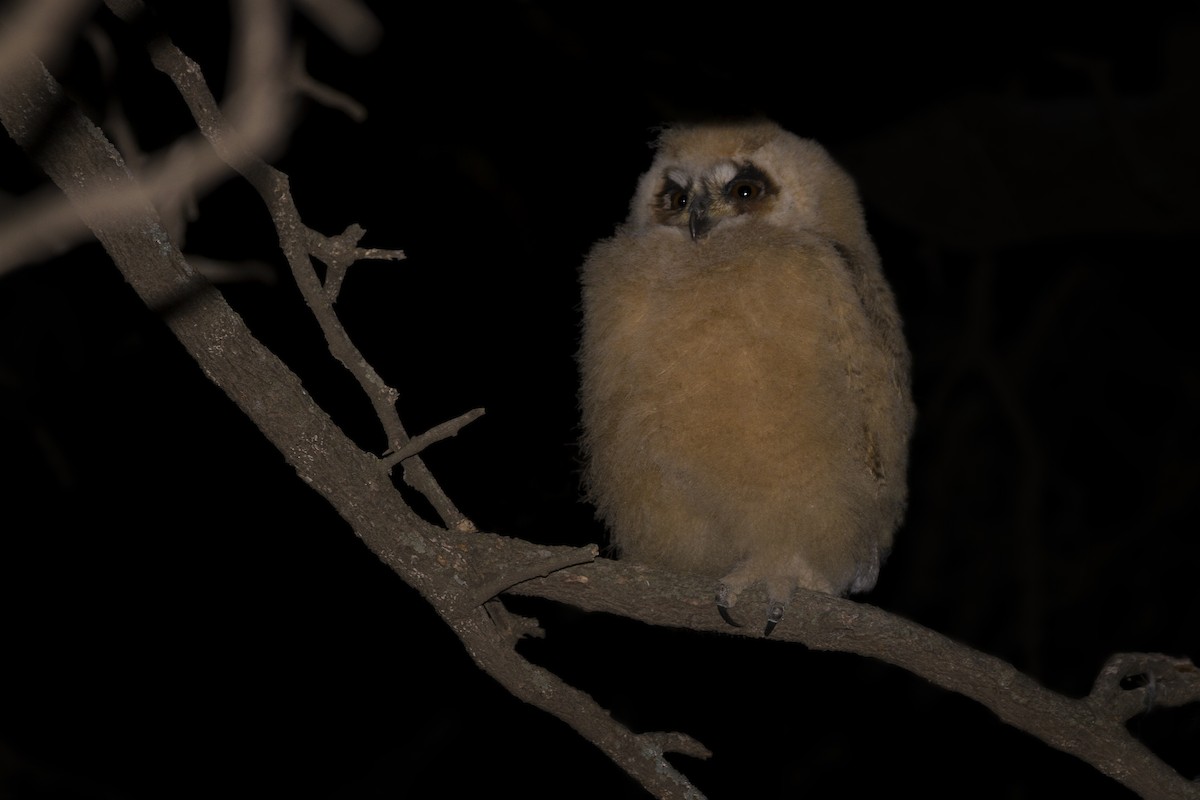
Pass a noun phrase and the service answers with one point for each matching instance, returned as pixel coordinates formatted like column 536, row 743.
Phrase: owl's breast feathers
column 741, row 377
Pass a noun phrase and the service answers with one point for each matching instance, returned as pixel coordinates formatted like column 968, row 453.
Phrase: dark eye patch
column 750, row 184
column 674, row 197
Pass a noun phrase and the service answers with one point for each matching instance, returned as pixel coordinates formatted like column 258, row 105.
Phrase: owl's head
column 709, row 179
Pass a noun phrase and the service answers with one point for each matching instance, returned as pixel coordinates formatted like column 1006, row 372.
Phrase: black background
column 184, row 618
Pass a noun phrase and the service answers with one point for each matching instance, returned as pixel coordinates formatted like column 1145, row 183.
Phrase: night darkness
column 186, row 619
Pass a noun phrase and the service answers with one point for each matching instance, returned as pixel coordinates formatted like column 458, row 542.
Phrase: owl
column 744, row 380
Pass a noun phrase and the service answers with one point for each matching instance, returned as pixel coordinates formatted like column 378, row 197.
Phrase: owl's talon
column 724, row 612
column 725, row 601
column 774, row 614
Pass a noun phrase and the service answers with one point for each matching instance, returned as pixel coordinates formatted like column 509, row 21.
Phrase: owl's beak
column 699, row 221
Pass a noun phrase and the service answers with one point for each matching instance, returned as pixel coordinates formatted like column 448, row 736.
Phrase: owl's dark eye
column 744, row 190
column 674, row 194
column 749, row 185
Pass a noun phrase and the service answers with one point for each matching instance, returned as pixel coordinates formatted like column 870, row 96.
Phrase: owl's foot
column 727, row 598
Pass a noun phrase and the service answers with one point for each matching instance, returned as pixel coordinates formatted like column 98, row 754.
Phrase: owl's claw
column 725, row 601
column 774, row 614
column 726, row 598
column 724, row 612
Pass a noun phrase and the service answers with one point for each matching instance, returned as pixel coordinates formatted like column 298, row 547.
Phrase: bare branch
column 547, row 564
column 36, row 26
column 322, row 93
column 261, row 98
column 348, row 22
column 640, row 755
column 258, row 117
column 670, row 742
column 341, row 251
column 1090, row 728
column 35, row 226
column 1133, row 683
column 296, row 241
column 434, row 434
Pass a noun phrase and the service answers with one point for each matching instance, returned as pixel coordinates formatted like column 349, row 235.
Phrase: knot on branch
column 1132, row 683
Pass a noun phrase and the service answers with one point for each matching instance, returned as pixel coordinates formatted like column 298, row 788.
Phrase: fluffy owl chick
column 744, row 378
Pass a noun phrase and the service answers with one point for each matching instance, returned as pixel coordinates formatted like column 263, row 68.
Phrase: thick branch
column 640, row 755
column 1091, row 728
column 78, row 158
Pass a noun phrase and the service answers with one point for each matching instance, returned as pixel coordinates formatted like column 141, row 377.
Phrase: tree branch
column 79, row 159
column 459, row 573
column 435, row 434
column 298, row 244
column 1091, row 728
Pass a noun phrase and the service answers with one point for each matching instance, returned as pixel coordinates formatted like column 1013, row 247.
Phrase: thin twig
column 322, row 93
column 519, row 573
column 348, row 22
column 341, row 252
column 672, row 742
column 435, row 434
